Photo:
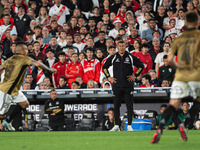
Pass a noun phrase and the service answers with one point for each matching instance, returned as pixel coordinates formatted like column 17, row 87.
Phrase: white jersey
column 61, row 13
column 180, row 23
column 3, row 28
column 166, row 20
column 62, row 44
column 79, row 46
column 114, row 32
column 172, row 30
column 159, row 59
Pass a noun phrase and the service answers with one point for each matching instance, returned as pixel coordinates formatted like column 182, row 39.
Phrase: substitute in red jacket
column 91, row 67
column 145, row 57
column 74, row 69
column 61, row 67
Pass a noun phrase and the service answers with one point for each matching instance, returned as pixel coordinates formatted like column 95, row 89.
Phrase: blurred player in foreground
column 15, row 68
column 187, row 48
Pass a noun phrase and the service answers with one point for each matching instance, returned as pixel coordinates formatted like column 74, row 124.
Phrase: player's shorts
column 6, row 100
column 182, row 89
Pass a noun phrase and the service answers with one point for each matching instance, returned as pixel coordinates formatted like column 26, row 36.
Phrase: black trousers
column 119, row 94
column 57, row 127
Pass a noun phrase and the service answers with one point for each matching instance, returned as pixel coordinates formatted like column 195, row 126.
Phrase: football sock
column 166, row 115
column 13, row 112
column 194, row 110
column 176, row 119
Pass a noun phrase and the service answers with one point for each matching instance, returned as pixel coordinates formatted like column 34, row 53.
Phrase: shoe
column 183, row 132
column 156, row 136
column 8, row 126
column 129, row 128
column 115, row 128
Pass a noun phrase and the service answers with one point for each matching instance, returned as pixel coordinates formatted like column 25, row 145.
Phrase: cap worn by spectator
column 30, row 32
column 117, row 20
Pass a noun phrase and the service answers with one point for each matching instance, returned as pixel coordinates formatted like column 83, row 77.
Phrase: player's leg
column 179, row 90
column 129, row 106
column 118, row 95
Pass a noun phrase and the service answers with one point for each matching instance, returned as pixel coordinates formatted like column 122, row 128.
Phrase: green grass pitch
column 137, row 140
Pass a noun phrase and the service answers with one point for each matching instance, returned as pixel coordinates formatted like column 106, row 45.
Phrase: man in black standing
column 55, row 109
column 123, row 64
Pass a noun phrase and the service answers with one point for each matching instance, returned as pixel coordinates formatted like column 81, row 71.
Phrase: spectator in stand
column 172, row 28
column 170, row 16
column 60, row 10
column 91, row 67
column 54, row 28
column 80, row 81
column 154, row 79
column 47, row 80
column 65, row 26
column 62, row 83
column 43, row 18
column 148, row 33
column 16, row 6
column 114, row 32
column 115, row 6
column 101, row 43
column 81, row 56
column 108, row 122
column 146, row 81
column 96, row 13
column 106, row 7
column 22, row 21
column 75, row 85
column 109, row 42
column 131, row 24
column 43, row 86
column 92, row 26
column 6, row 26
column 155, row 49
column 37, row 31
column 26, row 86
column 29, row 37
column 54, row 45
column 43, row 46
column 91, row 84
column 132, row 5
column 160, row 17
column 78, row 43
column 159, row 57
column 62, row 42
column 165, row 83
column 140, row 18
column 38, row 54
column 133, row 36
column 106, row 85
column 106, row 21
column 73, row 70
column 181, row 19
column 81, row 22
column 83, row 32
column 73, row 28
column 145, row 57
column 61, row 67
column 99, row 54
column 38, row 73
column 122, row 13
column 144, row 25
column 29, row 78
column 69, row 44
column 166, row 72
column 6, row 11
column 46, row 35
column 185, row 108
column 89, row 44
column 31, row 13
column 136, row 47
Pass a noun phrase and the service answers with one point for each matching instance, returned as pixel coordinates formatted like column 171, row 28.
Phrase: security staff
column 55, row 109
column 123, row 80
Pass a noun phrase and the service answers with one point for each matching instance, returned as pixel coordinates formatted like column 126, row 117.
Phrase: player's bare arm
column 172, row 61
column 43, row 66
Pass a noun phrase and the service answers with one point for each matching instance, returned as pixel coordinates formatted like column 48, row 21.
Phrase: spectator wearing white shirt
column 159, row 58
column 62, row 38
column 78, row 43
column 114, row 32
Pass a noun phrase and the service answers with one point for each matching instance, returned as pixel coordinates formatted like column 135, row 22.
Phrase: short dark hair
column 63, row 77
column 6, row 15
column 192, row 17
column 163, row 105
column 147, row 77
column 77, row 83
column 53, row 90
column 112, row 46
column 165, row 43
column 101, row 32
column 28, row 74
column 165, row 56
column 35, row 43
column 184, row 102
column 39, row 36
column 145, row 45
column 110, row 109
column 61, row 53
column 122, row 42
column 89, row 49
column 37, row 27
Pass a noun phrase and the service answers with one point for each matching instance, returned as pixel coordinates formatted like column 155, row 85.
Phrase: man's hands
column 26, row 124
column 53, row 70
column 112, row 80
column 131, row 78
column 1, row 126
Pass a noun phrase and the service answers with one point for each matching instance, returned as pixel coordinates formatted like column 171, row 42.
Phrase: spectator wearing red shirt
column 122, row 13
column 73, row 28
column 7, row 11
column 91, row 67
column 15, row 6
column 43, row 46
column 146, row 78
column 132, row 5
column 38, row 54
column 136, row 46
column 145, row 57
column 61, row 67
column 134, row 35
column 74, row 69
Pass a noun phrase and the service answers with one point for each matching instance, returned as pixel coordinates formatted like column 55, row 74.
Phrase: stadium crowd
column 77, row 36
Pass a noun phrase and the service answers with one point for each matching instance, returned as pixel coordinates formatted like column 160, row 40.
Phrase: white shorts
column 6, row 100
column 182, row 89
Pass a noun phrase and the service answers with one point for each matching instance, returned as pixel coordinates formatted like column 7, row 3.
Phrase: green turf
column 137, row 140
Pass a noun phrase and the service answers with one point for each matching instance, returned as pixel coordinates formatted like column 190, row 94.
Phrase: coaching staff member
column 55, row 109
column 123, row 64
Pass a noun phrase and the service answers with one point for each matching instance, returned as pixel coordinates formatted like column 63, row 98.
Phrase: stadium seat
column 88, row 122
column 69, row 121
column 151, row 114
column 44, row 124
